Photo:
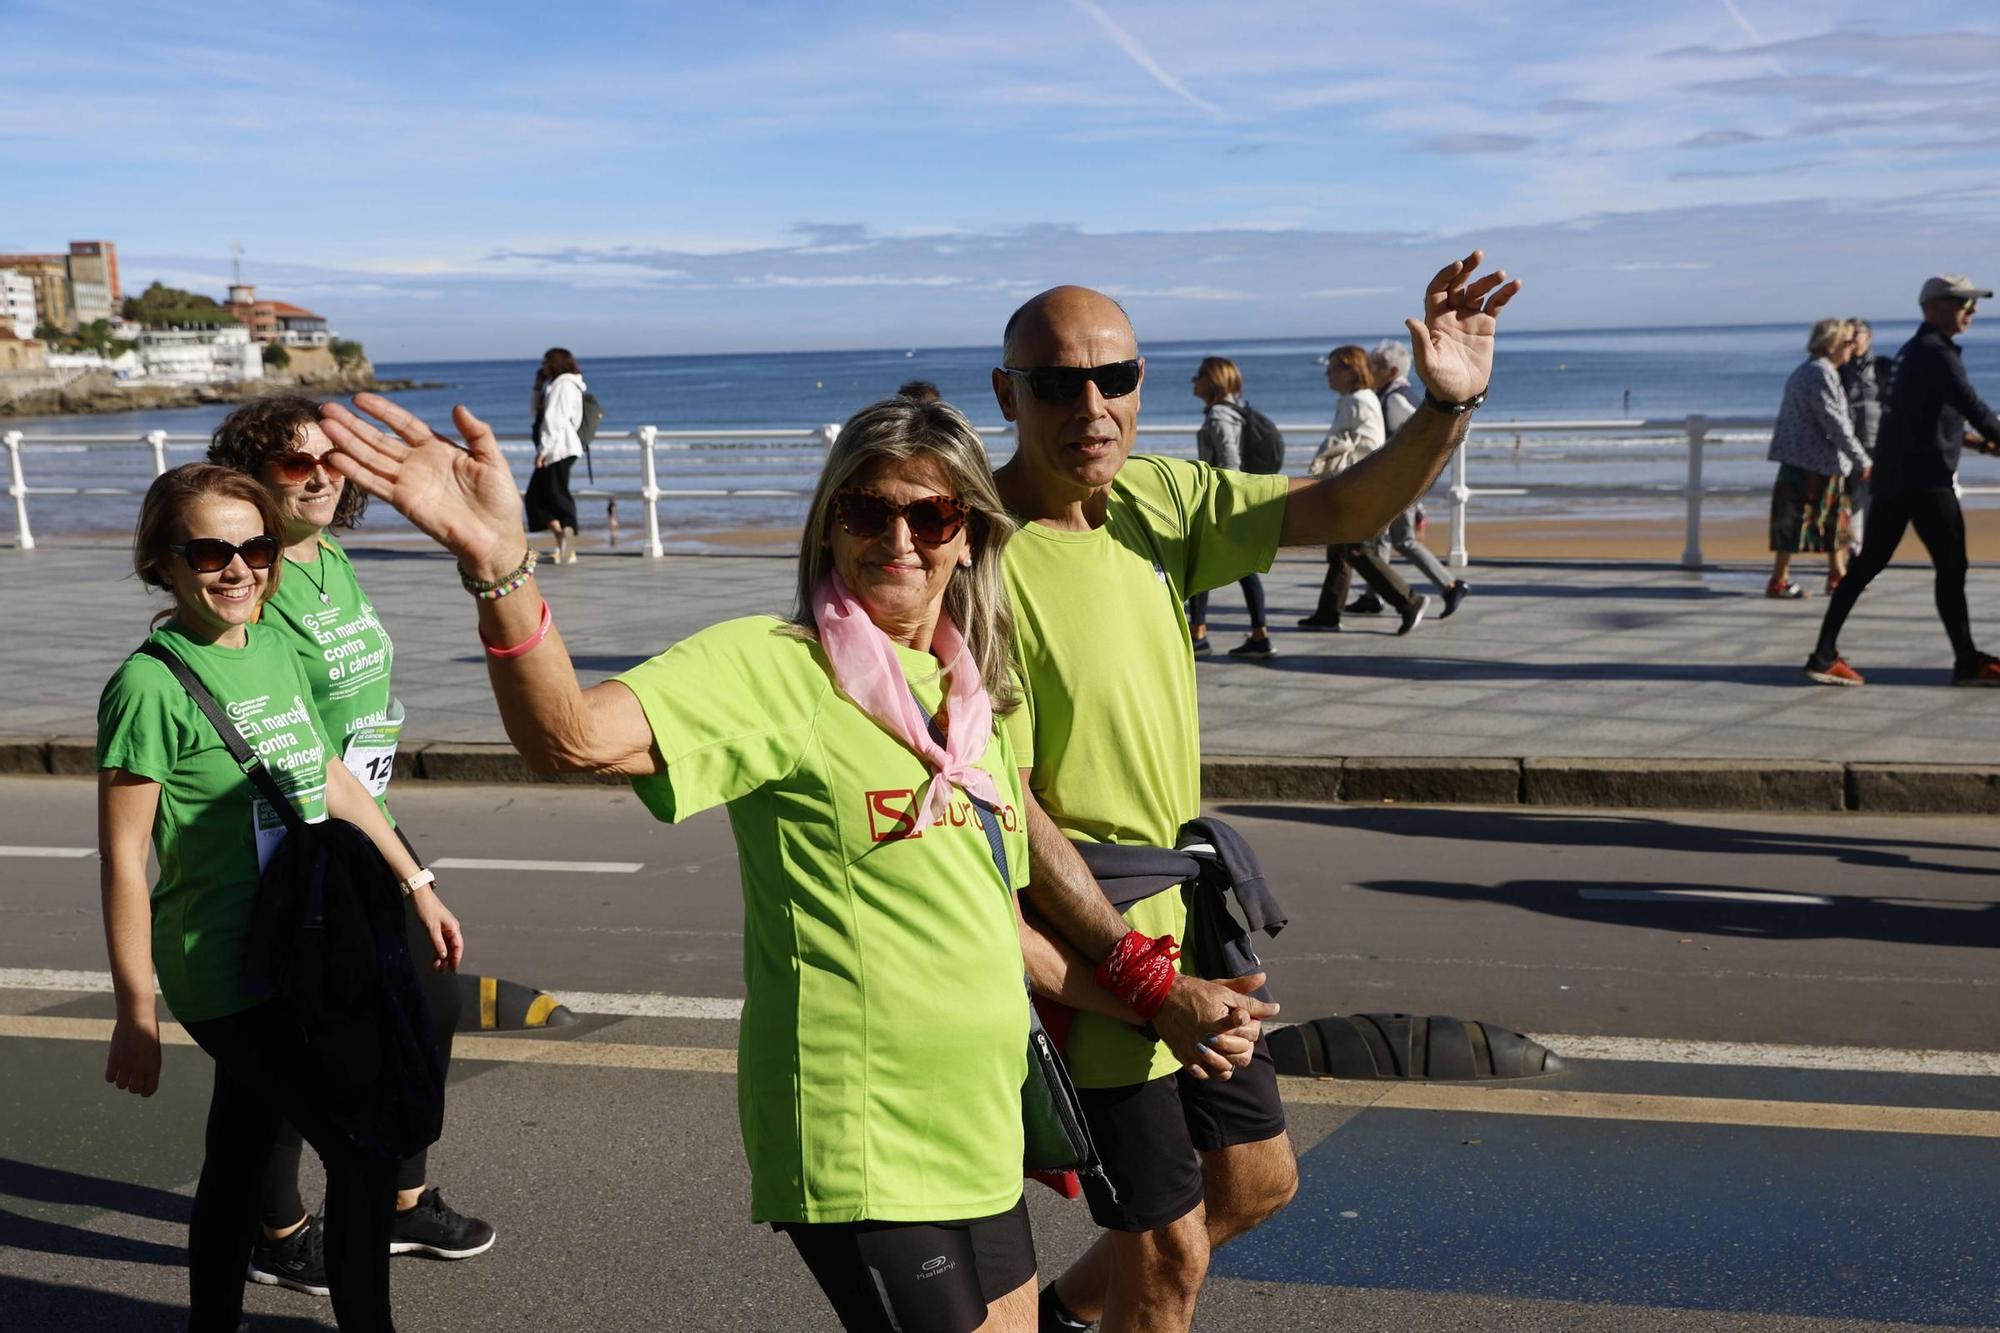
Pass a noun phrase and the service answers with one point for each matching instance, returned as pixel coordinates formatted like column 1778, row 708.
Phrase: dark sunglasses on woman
column 211, row 555
column 295, row 467
column 1062, row 384
column 934, row 520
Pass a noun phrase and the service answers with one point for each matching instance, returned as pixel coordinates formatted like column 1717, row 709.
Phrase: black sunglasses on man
column 1064, row 384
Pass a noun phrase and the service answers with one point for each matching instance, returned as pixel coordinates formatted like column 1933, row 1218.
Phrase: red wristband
column 1140, row 971
column 526, row 645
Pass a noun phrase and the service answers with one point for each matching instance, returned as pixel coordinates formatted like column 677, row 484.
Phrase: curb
column 1878, row 787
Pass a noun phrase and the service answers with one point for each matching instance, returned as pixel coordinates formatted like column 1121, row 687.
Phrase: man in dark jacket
column 1929, row 413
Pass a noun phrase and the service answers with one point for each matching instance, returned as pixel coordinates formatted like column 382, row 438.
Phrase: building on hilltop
column 278, row 322
column 17, row 303
column 50, row 276
column 20, row 353
column 200, row 356
column 96, row 262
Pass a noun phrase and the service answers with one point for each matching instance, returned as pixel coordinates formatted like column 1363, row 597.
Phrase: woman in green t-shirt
column 882, row 1046
column 346, row 654
column 210, row 537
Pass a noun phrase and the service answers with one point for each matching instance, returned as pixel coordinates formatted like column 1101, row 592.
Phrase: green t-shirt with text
column 347, row 656
column 884, row 1033
column 1101, row 643
column 211, row 824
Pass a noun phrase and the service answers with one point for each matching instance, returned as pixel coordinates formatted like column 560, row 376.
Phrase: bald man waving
column 1111, row 545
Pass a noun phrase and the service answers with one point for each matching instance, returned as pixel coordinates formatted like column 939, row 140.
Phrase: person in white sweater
column 559, row 390
column 1357, row 432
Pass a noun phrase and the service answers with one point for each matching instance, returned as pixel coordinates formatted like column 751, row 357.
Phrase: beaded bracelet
column 526, row 645
column 506, row 583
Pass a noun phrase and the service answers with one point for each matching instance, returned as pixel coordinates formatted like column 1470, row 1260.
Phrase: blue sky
column 483, row 180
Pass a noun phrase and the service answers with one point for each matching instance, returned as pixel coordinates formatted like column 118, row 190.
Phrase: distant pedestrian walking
column 1219, row 385
column 1357, row 431
column 1862, row 379
column 1814, row 446
column 1389, row 365
column 1929, row 413
column 559, row 391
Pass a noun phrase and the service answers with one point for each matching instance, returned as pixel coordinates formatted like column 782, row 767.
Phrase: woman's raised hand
column 465, row 498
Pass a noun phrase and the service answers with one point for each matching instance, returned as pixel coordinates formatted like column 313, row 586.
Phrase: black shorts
column 917, row 1277
column 1151, row 1136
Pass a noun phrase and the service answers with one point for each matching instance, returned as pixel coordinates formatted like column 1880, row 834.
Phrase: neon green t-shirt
column 884, row 1036
column 1101, row 640
column 347, row 656
column 211, row 826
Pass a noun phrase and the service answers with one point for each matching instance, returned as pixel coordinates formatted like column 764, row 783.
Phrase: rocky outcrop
column 99, row 391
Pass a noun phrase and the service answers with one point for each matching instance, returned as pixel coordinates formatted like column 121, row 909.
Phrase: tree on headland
column 163, row 307
column 92, row 337
column 347, row 352
column 276, row 357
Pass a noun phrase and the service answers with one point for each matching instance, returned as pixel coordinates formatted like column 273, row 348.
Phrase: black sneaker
column 1201, row 647
column 298, row 1261
column 1320, row 623
column 435, row 1229
column 1453, row 596
column 1253, row 647
column 1367, row 604
column 1418, row 605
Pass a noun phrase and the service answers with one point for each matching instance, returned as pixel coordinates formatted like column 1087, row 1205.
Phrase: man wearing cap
column 1111, row 545
column 1925, row 418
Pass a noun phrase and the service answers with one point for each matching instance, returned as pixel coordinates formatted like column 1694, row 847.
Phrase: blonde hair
column 1220, row 374
column 976, row 598
column 1827, row 335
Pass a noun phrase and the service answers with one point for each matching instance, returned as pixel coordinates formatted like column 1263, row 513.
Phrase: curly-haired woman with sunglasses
column 347, row 655
column 882, row 1042
column 211, row 538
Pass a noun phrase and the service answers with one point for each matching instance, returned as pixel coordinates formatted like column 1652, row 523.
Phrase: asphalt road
column 1750, row 1199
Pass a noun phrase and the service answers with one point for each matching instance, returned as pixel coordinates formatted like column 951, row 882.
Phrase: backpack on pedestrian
column 1263, row 442
column 586, row 430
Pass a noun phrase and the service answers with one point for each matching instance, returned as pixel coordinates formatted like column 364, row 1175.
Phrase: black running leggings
column 1940, row 525
column 282, row 1205
column 1253, row 597
column 264, row 1076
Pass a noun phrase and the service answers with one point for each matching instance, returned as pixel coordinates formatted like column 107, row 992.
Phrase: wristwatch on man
column 1452, row 409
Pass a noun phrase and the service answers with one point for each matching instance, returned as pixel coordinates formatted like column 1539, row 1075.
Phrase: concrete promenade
column 1574, row 683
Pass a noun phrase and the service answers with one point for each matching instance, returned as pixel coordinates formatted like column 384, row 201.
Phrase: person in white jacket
column 559, row 390
column 1357, row 431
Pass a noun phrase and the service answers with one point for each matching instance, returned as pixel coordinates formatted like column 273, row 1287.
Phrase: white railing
column 807, row 444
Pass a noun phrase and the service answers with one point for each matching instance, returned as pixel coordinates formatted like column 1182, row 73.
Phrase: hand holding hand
column 1453, row 343
column 134, row 1062
column 464, row 498
column 1211, row 1026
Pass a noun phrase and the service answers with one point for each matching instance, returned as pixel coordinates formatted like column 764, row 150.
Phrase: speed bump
column 1407, row 1046
column 494, row 1004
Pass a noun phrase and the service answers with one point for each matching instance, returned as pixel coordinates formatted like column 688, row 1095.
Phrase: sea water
column 1657, row 375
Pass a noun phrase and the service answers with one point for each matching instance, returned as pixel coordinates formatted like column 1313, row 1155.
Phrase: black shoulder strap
column 239, row 749
column 988, row 819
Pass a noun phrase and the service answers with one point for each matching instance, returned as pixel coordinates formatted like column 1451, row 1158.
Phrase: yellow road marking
column 539, row 1011
column 489, row 1002
column 1486, row 1100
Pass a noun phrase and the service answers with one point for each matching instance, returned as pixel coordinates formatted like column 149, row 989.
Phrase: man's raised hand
column 1453, row 342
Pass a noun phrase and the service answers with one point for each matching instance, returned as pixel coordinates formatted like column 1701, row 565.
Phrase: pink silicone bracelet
column 526, row 645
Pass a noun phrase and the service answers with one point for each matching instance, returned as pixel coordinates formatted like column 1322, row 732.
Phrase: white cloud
column 1137, row 53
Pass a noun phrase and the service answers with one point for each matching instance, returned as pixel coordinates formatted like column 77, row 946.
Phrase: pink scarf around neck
column 867, row 670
